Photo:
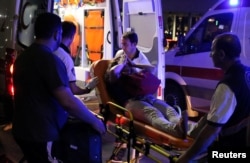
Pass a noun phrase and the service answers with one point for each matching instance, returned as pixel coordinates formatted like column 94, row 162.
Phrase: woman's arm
column 149, row 68
column 146, row 67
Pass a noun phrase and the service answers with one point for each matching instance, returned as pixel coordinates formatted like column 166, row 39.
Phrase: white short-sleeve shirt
column 67, row 60
column 141, row 59
column 222, row 105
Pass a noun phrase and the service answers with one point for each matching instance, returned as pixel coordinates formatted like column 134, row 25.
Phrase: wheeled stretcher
column 139, row 136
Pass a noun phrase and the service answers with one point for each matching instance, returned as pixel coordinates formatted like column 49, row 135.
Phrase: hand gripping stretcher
column 139, row 136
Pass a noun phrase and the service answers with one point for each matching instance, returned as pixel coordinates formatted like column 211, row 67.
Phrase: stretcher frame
column 142, row 137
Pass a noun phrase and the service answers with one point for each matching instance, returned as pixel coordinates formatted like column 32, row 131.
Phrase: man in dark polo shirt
column 43, row 98
column 227, row 122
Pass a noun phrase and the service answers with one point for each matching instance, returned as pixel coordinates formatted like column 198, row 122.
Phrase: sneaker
column 118, row 155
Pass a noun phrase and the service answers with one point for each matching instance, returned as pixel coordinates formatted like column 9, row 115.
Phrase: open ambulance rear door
column 145, row 18
column 98, row 27
column 17, row 19
column 28, row 11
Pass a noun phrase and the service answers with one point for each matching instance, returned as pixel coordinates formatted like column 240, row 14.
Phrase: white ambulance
column 190, row 74
column 100, row 24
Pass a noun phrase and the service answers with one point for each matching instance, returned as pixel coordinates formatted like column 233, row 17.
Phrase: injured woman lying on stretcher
column 145, row 108
column 120, row 117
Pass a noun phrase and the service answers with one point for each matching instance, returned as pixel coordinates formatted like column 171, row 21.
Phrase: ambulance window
column 201, row 39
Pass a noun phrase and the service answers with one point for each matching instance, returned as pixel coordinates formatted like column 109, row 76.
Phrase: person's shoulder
column 59, row 51
column 141, row 54
column 39, row 48
column 40, row 51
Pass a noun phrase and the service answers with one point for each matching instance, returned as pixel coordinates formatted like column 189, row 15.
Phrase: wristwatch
column 88, row 89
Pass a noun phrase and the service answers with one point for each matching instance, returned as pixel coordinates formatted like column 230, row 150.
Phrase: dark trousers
column 37, row 152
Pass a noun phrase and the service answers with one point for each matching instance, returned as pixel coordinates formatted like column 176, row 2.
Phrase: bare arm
column 89, row 86
column 147, row 67
column 77, row 109
column 115, row 72
column 202, row 142
column 76, row 90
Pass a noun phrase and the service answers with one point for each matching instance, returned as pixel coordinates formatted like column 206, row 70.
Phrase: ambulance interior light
column 234, row 2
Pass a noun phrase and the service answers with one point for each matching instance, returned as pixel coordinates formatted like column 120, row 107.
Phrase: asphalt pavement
column 11, row 153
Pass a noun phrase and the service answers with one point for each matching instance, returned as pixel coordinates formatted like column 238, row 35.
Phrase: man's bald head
column 229, row 43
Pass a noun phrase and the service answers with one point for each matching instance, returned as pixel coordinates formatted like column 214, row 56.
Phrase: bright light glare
column 234, row 2
column 11, row 68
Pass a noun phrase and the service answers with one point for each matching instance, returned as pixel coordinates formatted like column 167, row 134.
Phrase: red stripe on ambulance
column 196, row 72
